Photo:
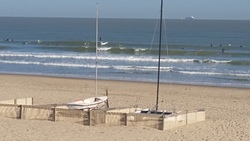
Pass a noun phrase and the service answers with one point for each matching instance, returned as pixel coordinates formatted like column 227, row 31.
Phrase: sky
column 173, row 9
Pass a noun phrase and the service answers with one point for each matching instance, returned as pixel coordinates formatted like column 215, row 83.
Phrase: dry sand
column 227, row 110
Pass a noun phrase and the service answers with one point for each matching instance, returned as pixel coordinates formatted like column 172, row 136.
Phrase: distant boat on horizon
column 189, row 18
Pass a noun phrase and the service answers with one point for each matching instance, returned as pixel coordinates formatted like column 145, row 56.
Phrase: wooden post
column 89, row 117
column 107, row 93
column 83, row 117
column 54, row 114
column 20, row 111
column 186, row 117
column 163, row 128
column 126, row 119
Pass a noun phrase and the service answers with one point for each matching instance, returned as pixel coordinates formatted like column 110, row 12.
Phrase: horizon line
column 118, row 18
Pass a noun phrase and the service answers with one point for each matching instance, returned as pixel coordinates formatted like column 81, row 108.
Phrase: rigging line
column 151, row 46
column 167, row 54
column 167, row 48
column 152, row 41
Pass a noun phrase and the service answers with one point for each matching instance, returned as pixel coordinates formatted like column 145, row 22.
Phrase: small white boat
column 89, row 103
column 92, row 102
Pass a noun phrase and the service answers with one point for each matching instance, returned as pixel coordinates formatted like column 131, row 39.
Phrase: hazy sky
column 173, row 9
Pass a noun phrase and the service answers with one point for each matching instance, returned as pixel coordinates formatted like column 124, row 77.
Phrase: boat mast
column 96, row 49
column 159, row 59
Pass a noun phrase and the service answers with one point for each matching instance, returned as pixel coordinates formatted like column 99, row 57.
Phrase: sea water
column 203, row 52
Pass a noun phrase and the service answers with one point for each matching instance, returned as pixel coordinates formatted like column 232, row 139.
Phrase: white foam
column 104, row 48
column 111, row 58
column 214, row 73
column 140, row 49
column 53, row 64
column 142, row 68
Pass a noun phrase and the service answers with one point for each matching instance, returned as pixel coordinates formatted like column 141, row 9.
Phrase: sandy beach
column 227, row 109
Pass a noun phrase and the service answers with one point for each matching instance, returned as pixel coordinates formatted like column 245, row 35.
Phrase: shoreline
column 164, row 83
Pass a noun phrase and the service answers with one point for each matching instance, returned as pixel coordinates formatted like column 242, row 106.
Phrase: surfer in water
column 223, row 50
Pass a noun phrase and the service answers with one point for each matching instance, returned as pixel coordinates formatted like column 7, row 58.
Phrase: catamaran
column 155, row 110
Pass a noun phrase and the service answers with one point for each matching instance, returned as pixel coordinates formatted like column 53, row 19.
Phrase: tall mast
column 159, row 59
column 96, row 49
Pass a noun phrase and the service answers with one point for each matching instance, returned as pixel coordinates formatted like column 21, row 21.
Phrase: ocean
column 198, row 52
